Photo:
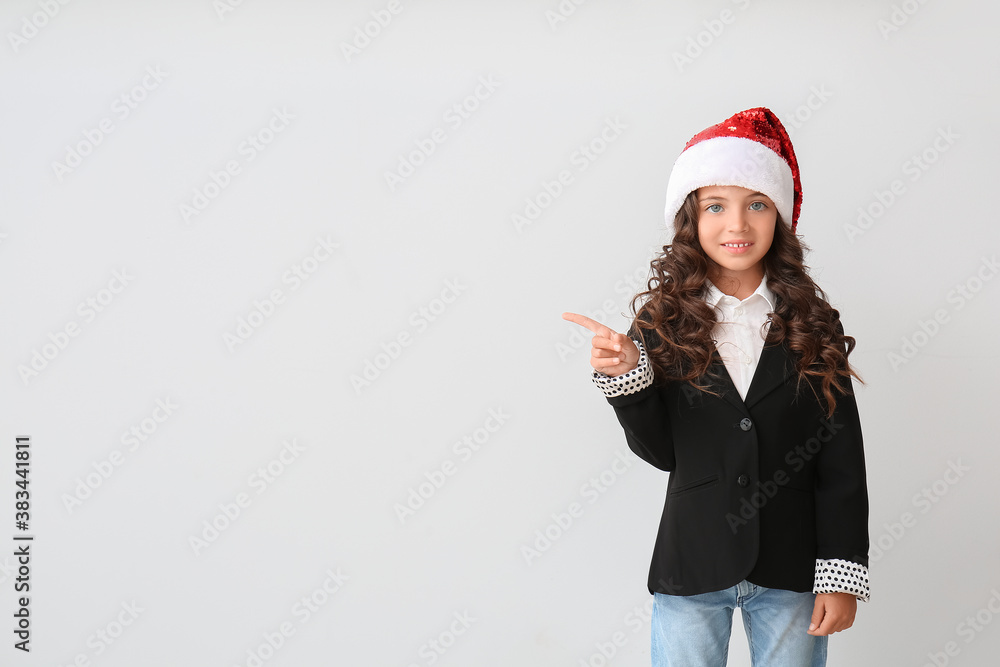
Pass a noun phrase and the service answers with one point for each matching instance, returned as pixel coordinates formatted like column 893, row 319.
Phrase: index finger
column 593, row 325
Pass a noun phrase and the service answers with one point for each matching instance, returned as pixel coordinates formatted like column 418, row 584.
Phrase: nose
column 739, row 221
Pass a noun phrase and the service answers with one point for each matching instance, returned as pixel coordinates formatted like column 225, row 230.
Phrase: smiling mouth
column 736, row 245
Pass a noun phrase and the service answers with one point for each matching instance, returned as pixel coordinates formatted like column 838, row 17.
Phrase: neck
column 739, row 285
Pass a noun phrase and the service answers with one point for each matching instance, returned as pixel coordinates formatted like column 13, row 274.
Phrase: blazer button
column 743, row 480
column 746, row 424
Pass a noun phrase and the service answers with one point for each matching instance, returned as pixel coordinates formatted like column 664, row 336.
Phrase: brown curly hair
column 681, row 322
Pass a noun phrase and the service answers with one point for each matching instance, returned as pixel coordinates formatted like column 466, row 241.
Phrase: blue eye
column 711, row 206
column 763, row 206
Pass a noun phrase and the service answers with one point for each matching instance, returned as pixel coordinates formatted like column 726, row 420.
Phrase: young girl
column 734, row 378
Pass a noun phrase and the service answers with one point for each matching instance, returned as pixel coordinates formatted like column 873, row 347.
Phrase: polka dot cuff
column 841, row 576
column 636, row 379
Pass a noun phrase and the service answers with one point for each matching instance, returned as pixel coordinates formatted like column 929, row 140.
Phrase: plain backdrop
column 282, row 284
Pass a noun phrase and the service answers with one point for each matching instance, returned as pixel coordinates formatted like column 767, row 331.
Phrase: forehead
column 727, row 192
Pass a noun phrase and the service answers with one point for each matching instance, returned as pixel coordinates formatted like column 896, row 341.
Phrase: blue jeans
column 693, row 630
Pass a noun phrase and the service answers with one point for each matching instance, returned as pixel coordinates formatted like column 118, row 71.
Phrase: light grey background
column 863, row 87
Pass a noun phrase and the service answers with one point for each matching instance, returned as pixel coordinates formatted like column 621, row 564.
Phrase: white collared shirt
column 740, row 330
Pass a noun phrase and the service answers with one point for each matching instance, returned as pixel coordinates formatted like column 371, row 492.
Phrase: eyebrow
column 752, row 194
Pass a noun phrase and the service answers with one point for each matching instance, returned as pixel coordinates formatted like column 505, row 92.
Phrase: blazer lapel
column 724, row 382
column 775, row 366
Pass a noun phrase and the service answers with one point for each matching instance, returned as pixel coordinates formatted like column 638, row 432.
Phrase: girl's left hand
column 833, row 612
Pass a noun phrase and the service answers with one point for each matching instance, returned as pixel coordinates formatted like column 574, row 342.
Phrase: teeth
column 736, row 245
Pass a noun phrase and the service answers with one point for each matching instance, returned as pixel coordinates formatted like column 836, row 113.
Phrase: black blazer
column 759, row 488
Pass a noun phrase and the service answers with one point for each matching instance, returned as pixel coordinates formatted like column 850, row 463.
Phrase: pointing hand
column 612, row 353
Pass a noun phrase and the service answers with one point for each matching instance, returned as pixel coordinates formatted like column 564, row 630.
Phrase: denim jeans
column 693, row 630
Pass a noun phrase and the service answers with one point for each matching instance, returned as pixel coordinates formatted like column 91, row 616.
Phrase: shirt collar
column 713, row 294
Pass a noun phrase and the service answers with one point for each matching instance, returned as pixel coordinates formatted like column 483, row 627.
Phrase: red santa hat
column 752, row 150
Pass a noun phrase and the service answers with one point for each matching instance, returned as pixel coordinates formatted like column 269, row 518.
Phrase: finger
column 827, row 627
column 832, row 622
column 605, row 343
column 610, row 354
column 593, row 325
column 601, row 362
column 819, row 610
column 626, row 341
column 613, row 343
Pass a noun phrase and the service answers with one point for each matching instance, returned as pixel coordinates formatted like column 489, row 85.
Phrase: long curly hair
column 675, row 323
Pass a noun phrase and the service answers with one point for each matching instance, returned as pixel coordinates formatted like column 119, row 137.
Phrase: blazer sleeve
column 841, row 490
column 643, row 416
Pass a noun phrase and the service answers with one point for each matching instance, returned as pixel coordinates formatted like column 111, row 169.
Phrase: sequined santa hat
column 751, row 149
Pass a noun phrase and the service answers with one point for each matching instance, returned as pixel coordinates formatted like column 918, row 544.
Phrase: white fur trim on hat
column 731, row 161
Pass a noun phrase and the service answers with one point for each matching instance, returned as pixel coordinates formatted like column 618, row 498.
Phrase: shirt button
column 746, row 425
column 738, row 311
column 743, row 480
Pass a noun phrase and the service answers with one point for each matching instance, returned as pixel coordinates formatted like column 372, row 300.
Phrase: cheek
column 767, row 237
column 706, row 230
column 705, row 237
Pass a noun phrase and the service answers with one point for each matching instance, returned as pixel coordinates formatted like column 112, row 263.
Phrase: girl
column 734, row 378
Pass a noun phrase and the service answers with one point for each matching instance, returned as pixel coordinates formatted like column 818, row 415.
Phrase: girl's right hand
column 612, row 353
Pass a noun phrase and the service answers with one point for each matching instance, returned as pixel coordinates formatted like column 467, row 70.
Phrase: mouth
column 737, row 247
